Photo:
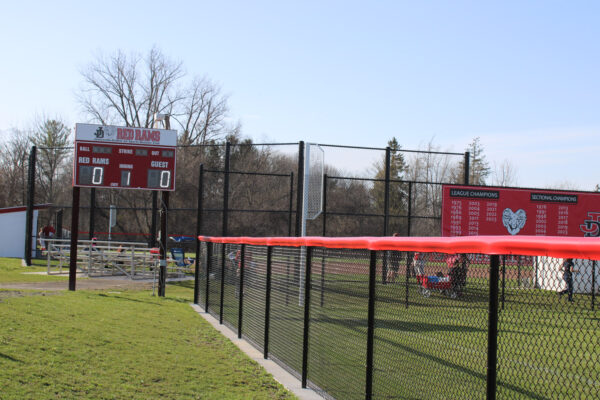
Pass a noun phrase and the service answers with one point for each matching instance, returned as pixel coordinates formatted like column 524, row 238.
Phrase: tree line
column 128, row 90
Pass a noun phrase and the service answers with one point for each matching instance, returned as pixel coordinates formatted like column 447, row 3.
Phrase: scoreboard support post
column 74, row 238
column 162, row 273
column 153, row 219
column 92, row 213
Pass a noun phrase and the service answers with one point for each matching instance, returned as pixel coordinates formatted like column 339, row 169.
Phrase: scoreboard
column 124, row 157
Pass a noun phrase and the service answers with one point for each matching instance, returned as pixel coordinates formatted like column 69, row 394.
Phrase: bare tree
column 203, row 112
column 14, row 154
column 121, row 89
column 129, row 90
column 504, row 174
column 427, row 197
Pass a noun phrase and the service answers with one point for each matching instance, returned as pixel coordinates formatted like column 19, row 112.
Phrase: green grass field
column 436, row 348
column 117, row 345
column 11, row 270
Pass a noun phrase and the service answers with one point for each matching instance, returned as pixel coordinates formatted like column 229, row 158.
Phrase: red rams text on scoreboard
column 124, row 157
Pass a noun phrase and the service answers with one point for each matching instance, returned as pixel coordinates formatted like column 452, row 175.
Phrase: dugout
column 12, row 234
column 549, row 274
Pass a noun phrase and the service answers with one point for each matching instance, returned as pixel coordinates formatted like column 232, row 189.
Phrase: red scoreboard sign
column 483, row 210
column 124, row 157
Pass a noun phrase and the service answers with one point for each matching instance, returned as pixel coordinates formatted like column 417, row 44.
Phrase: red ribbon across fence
column 552, row 246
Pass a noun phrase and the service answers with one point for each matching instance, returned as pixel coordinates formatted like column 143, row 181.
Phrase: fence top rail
column 246, row 173
column 552, row 246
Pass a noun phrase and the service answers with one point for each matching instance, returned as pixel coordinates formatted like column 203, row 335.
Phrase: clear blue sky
column 522, row 75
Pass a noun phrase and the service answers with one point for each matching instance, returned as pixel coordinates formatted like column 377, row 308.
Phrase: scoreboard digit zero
column 124, row 157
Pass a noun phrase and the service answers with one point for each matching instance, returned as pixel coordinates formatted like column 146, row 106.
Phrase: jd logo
column 591, row 226
column 99, row 133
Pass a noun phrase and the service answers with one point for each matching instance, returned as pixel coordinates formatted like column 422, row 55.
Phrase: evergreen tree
column 479, row 168
column 51, row 137
column 398, row 196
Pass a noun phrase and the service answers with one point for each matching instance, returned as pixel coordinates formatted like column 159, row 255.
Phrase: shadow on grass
column 353, row 323
column 189, row 284
column 6, row 356
column 128, row 299
column 438, row 360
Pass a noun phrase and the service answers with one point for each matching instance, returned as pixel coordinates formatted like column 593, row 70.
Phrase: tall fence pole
column 30, row 205
column 493, row 328
column 300, row 188
column 408, row 223
column 593, row 283
column 386, row 210
column 324, row 214
column 209, row 251
column 291, row 204
column 222, row 296
column 59, row 224
column 224, row 227
column 199, row 211
column 305, row 338
column 74, row 238
column 370, row 325
column 268, row 302
column 467, row 166
column 92, row 225
column 503, row 279
column 241, row 289
column 407, row 282
column 386, row 198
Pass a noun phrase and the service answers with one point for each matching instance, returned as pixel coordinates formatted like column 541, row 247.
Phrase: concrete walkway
column 281, row 375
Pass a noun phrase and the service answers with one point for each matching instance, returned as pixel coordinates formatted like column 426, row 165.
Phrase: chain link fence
column 399, row 324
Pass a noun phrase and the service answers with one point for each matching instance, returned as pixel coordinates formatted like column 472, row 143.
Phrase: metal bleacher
column 102, row 258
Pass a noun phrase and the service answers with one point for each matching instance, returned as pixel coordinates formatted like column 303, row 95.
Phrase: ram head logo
column 514, row 221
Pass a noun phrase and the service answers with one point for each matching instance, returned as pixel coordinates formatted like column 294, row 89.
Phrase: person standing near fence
column 568, row 270
column 419, row 264
column 394, row 264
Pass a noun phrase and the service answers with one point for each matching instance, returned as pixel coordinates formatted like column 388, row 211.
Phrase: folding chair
column 179, row 258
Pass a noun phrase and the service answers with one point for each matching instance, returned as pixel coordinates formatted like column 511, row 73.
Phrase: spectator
column 394, row 264
column 419, row 263
column 568, row 270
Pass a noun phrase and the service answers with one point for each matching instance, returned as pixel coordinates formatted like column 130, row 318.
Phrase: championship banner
column 484, row 210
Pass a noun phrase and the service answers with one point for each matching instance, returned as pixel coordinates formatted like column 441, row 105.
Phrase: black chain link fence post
column 307, row 285
column 222, row 294
column 291, row 204
column 492, row 351
column 30, row 206
column 593, row 283
column 300, row 188
column 199, row 212
column 241, row 289
column 209, row 251
column 370, row 325
column 268, row 301
column 503, row 279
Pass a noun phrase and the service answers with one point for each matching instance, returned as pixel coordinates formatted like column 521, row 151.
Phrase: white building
column 12, row 230
column 549, row 274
